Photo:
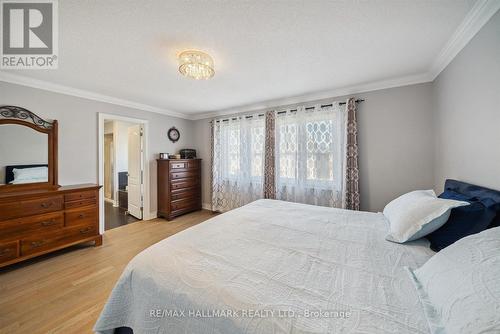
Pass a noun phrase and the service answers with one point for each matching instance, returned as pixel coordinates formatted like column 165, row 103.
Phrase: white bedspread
column 265, row 268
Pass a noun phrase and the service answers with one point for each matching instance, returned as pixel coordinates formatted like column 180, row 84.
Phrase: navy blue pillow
column 463, row 221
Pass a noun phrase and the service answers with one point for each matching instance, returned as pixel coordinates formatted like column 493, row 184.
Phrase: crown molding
column 67, row 90
column 304, row 98
column 475, row 19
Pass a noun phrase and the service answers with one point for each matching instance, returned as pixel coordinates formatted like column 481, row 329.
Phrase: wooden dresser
column 35, row 222
column 179, row 187
column 38, row 216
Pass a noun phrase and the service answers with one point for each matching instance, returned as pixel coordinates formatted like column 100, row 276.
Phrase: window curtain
column 310, row 146
column 270, row 156
column 306, row 155
column 238, row 161
column 351, row 169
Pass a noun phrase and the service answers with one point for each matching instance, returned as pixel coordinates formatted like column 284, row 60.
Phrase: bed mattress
column 272, row 267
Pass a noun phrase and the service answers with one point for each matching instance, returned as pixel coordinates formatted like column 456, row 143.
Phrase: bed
column 272, row 267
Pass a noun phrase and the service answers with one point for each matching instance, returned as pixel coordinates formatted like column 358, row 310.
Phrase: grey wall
column 78, row 127
column 395, row 140
column 467, row 112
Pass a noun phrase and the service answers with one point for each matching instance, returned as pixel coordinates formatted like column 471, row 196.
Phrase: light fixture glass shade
column 196, row 64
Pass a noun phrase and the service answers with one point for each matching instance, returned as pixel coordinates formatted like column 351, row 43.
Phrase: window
column 287, row 150
column 238, row 162
column 309, row 156
column 319, row 148
column 242, row 150
column 308, row 151
column 233, row 148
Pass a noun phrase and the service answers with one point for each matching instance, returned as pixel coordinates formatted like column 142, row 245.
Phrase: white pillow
column 459, row 287
column 33, row 174
column 416, row 214
column 41, row 179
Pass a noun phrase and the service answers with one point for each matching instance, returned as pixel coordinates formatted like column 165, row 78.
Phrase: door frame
column 146, row 215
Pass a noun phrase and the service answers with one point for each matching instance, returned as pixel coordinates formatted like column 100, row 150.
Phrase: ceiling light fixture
column 196, row 65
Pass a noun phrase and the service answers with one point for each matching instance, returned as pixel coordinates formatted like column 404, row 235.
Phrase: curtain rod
column 292, row 110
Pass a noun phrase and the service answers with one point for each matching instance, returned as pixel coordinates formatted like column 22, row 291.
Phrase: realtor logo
column 29, row 34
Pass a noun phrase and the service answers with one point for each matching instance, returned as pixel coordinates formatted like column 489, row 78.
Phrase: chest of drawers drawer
column 36, row 244
column 184, row 203
column 183, row 184
column 183, row 174
column 81, row 195
column 187, row 164
column 185, row 193
column 86, row 216
column 80, row 199
column 178, row 165
column 80, row 203
column 31, row 206
column 16, row 228
column 9, row 251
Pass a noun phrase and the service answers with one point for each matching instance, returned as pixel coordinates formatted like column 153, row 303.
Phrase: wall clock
column 173, row 134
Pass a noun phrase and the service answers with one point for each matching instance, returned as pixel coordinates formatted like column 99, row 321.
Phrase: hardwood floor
column 115, row 217
column 64, row 292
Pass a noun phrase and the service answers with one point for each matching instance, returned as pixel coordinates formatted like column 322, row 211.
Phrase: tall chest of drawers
column 179, row 187
column 36, row 222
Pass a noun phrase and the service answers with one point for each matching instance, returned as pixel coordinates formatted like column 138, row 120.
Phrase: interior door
column 135, row 171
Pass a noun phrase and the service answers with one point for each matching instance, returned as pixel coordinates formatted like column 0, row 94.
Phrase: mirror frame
column 21, row 116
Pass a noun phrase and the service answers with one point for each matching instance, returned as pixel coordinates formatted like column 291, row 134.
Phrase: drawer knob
column 5, row 252
column 81, row 215
column 48, row 223
column 46, row 205
column 36, row 244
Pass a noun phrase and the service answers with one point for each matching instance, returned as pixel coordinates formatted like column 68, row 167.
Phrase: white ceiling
column 263, row 50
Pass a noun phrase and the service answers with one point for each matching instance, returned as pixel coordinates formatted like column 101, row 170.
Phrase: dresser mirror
column 28, row 150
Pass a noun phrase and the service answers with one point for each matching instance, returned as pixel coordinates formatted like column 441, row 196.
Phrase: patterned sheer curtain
column 310, row 154
column 237, row 161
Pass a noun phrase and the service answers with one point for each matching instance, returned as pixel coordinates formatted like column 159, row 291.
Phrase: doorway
column 122, row 171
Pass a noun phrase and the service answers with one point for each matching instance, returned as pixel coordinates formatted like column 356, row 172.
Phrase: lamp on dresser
column 179, row 187
column 37, row 216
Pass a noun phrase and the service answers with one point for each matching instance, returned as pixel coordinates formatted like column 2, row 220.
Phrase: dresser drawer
column 184, row 203
column 86, row 216
column 10, row 210
column 9, row 251
column 80, row 195
column 42, row 205
column 183, row 175
column 15, row 228
column 30, row 207
column 183, row 211
column 178, row 165
column 186, row 183
column 185, row 193
column 48, row 241
column 81, row 203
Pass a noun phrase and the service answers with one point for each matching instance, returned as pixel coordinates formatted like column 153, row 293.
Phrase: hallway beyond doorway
column 116, row 216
